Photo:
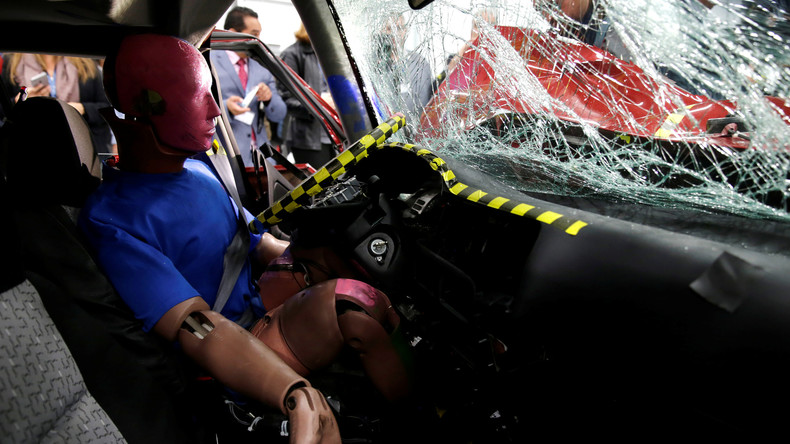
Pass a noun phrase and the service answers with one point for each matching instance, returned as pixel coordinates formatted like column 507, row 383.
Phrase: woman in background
column 77, row 81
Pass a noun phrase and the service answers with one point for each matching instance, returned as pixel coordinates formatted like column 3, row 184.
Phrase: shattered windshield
column 672, row 103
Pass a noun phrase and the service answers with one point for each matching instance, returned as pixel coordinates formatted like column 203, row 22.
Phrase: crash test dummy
column 161, row 222
column 161, row 216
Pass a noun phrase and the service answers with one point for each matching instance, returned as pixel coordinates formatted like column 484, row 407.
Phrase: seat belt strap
column 237, row 251
column 232, row 262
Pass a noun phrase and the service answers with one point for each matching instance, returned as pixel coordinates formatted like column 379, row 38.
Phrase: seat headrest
column 51, row 157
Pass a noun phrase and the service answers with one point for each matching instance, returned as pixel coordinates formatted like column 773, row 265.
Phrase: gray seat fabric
column 42, row 394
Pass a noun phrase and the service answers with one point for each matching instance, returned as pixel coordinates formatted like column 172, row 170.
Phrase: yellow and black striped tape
column 375, row 140
column 325, row 176
column 569, row 225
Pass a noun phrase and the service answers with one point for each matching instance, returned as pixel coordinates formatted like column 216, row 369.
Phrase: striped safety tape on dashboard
column 569, row 225
column 325, row 176
column 375, row 139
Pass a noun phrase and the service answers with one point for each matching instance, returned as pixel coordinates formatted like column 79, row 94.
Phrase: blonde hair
column 301, row 34
column 86, row 68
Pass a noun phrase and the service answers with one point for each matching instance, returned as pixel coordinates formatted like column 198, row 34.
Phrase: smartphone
column 39, row 79
column 248, row 98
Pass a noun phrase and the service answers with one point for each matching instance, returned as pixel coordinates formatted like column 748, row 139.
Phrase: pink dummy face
column 166, row 81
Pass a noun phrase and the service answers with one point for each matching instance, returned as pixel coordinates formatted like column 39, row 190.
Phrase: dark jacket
column 301, row 129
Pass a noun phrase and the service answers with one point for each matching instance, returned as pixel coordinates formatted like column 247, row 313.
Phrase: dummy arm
column 244, row 364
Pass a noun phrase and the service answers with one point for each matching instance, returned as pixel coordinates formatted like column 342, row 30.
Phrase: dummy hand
column 264, row 93
column 234, row 105
column 269, row 248
column 311, row 419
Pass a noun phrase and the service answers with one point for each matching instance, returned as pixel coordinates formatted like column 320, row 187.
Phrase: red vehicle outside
column 586, row 85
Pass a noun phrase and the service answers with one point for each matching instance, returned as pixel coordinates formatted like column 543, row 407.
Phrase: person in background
column 303, row 134
column 576, row 9
column 75, row 80
column 487, row 15
column 409, row 70
column 239, row 75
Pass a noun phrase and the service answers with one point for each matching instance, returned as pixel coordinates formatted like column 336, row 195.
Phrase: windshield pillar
column 355, row 109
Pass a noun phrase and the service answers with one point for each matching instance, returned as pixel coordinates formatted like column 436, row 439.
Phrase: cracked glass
column 676, row 104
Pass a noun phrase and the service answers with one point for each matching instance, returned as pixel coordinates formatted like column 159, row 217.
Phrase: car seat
column 44, row 397
column 51, row 167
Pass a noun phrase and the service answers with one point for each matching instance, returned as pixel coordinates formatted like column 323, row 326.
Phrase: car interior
column 546, row 325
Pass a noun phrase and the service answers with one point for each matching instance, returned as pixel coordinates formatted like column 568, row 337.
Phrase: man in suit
column 238, row 75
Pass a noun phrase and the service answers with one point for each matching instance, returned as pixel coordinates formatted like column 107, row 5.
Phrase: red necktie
column 243, row 72
column 243, row 77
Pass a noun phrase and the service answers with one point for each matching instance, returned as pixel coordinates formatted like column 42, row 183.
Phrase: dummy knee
column 304, row 330
column 309, row 330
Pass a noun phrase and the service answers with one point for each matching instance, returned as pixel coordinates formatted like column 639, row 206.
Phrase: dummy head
column 165, row 82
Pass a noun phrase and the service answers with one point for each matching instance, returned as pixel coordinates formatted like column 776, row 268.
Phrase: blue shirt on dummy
column 161, row 239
